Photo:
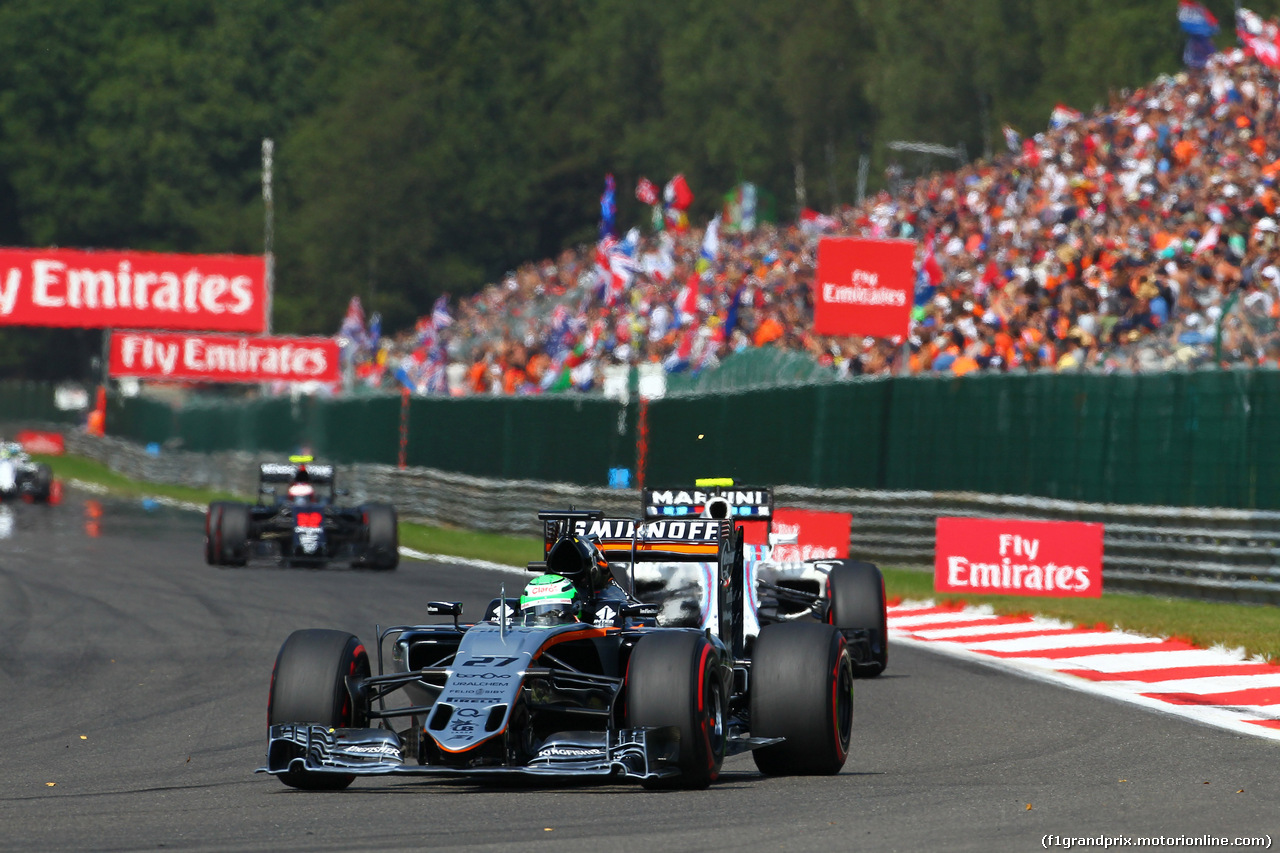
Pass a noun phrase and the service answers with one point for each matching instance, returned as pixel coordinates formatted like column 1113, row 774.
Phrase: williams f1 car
column 610, row 693
column 23, row 478
column 848, row 594
column 302, row 524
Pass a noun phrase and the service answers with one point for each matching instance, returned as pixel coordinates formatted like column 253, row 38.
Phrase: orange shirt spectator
column 768, row 331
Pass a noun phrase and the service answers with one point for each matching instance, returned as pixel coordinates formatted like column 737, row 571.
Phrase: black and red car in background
column 298, row 521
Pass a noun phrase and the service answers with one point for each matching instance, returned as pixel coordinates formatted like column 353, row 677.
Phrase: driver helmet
column 550, row 600
column 301, row 486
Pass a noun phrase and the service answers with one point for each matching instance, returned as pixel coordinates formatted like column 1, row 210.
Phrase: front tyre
column 231, row 535
column 382, row 549
column 309, row 685
column 801, row 690
column 212, row 523
column 673, row 680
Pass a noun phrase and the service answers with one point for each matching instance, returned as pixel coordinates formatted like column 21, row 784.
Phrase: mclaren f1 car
column 608, row 693
column 298, row 521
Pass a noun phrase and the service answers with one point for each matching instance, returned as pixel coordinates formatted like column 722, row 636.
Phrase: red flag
column 1260, row 38
column 933, row 269
column 688, row 303
column 677, row 193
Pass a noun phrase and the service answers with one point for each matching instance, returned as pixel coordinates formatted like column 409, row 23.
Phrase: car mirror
column 539, row 566
column 642, row 610
column 444, row 608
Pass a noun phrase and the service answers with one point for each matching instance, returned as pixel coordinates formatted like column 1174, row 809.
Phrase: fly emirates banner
column 863, row 287
column 136, row 290
column 1061, row 559
column 223, row 358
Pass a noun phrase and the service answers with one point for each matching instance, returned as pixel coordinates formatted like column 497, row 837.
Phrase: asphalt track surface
column 133, row 688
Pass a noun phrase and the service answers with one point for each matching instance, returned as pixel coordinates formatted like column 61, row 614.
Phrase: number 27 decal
column 490, row 660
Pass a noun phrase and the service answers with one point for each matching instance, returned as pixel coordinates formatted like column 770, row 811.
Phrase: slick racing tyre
column 855, row 595
column 673, row 680
column 801, row 690
column 231, row 534
column 383, row 546
column 42, row 484
column 308, row 685
column 212, row 518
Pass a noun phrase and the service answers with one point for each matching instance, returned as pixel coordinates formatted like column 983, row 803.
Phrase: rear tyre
column 802, row 690
column 308, row 685
column 382, row 530
column 673, row 680
column 232, row 539
column 212, row 520
column 855, row 592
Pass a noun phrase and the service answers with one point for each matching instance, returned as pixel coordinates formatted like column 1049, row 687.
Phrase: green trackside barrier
column 561, row 438
column 141, row 420
column 823, row 435
column 32, row 401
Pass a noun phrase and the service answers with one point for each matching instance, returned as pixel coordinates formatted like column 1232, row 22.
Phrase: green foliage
column 426, row 146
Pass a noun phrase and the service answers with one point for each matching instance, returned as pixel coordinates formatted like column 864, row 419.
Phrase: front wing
column 626, row 753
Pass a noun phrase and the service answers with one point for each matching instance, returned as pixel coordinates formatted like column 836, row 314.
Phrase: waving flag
column 1063, row 115
column 677, row 193
column 1196, row 20
column 812, row 221
column 1259, row 37
column 440, row 313
column 711, row 241
column 646, row 192
column 614, row 269
column 1012, row 139
column 1208, row 241
column 608, row 208
column 687, row 300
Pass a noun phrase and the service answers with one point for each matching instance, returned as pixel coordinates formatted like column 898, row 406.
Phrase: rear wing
column 699, row 540
column 287, row 472
column 695, row 540
column 742, row 503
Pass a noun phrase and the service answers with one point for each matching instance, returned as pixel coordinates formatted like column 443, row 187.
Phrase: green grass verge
column 82, row 468
column 1254, row 628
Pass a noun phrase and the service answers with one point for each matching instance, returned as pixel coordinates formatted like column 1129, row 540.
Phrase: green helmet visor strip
column 547, row 589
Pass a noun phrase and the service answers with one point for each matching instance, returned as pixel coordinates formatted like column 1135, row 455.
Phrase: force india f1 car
column 612, row 695
column 304, row 526
column 22, row 478
column 848, row 594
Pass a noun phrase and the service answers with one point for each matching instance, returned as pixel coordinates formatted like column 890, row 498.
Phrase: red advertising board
column 39, row 441
column 1061, row 559
column 863, row 287
column 818, row 535
column 223, row 358
column 137, row 290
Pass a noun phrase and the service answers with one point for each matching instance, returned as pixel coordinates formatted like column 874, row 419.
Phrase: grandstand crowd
column 1142, row 236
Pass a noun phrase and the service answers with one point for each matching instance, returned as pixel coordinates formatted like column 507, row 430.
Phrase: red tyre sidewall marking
column 835, row 698
column 703, row 719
